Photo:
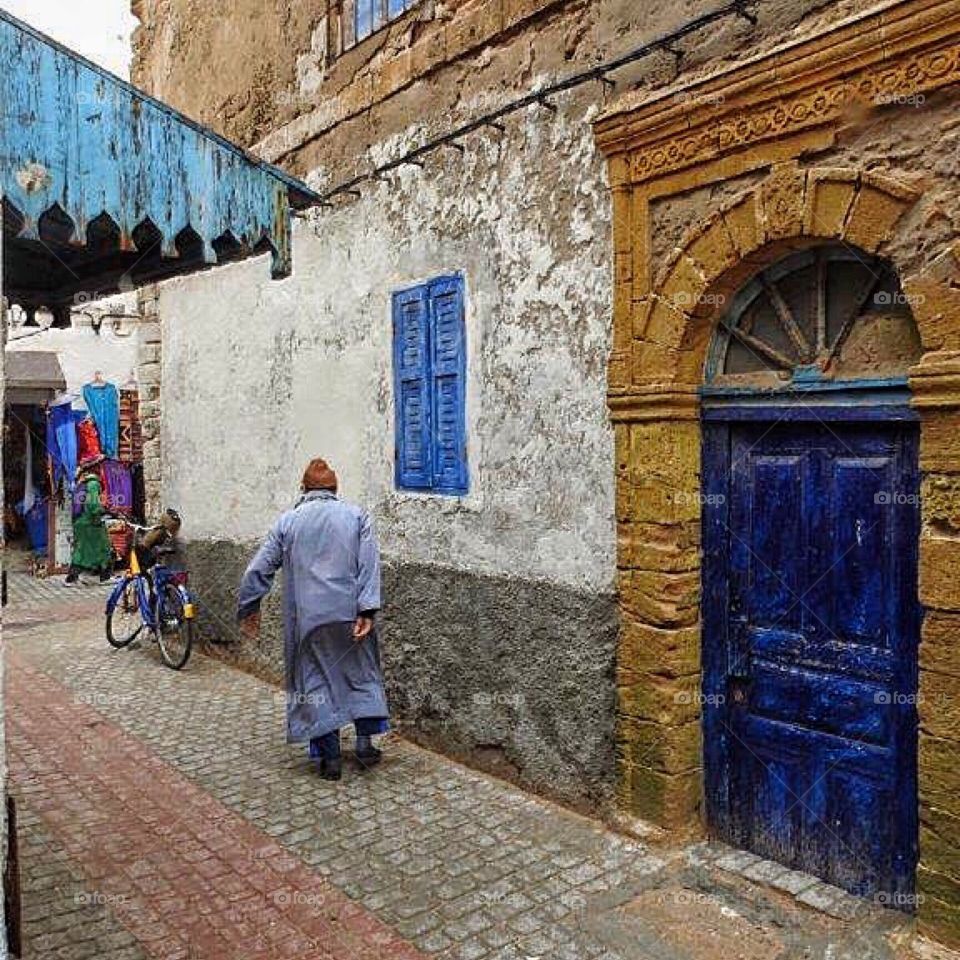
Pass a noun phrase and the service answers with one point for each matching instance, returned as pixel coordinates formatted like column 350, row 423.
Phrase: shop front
column 50, row 436
column 33, row 380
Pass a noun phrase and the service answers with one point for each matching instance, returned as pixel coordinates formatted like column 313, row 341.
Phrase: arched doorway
column 811, row 618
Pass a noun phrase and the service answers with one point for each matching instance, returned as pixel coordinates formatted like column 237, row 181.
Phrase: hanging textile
column 103, row 402
column 37, row 521
column 29, row 491
column 62, row 443
column 88, row 442
column 131, row 436
column 117, row 487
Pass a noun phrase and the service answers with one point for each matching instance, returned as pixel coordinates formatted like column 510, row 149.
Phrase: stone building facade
column 548, row 623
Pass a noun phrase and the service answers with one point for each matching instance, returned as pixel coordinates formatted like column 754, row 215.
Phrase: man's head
column 319, row 476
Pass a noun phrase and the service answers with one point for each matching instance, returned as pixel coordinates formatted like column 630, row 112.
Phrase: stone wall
column 148, row 377
column 258, row 376
column 856, row 144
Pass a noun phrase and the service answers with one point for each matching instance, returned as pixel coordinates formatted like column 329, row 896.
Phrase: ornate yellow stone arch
column 789, row 209
column 759, row 124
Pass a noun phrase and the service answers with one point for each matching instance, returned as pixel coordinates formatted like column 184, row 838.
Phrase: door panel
column 811, row 628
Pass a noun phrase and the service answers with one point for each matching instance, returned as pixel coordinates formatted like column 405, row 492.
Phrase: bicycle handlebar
column 130, row 523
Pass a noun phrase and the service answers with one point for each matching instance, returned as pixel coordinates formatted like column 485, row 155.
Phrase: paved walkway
column 163, row 816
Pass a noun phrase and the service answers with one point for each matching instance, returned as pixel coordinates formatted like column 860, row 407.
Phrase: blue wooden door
column 810, row 646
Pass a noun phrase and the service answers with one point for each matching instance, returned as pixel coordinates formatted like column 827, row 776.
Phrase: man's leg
column 367, row 754
column 326, row 749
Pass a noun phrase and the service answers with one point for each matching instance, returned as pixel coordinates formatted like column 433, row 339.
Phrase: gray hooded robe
column 331, row 574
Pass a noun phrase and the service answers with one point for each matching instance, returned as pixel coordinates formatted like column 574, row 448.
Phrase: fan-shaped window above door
column 829, row 314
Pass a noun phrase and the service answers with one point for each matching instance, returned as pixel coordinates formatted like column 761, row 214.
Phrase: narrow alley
column 163, row 816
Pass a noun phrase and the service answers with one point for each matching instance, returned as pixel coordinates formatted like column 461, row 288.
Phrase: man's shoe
column 331, row 769
column 369, row 758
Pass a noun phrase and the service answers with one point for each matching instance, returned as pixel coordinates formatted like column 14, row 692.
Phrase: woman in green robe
column 91, row 545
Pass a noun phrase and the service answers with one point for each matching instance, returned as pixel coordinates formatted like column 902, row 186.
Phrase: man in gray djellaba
column 331, row 594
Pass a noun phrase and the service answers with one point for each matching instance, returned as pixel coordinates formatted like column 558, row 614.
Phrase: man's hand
column 362, row 628
column 250, row 626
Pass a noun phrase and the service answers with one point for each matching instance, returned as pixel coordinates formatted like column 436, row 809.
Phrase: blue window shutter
column 411, row 364
column 448, row 375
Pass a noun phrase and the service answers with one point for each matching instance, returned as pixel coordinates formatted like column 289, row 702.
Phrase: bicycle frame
column 150, row 587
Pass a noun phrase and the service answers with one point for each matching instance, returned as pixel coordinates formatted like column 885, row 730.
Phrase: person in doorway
column 331, row 583
column 91, row 545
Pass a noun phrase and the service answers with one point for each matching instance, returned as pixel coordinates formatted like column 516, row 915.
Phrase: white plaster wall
column 260, row 375
column 82, row 351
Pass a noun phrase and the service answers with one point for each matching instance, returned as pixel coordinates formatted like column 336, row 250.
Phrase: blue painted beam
column 77, row 138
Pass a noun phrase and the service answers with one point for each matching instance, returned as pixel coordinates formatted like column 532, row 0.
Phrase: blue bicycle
column 153, row 597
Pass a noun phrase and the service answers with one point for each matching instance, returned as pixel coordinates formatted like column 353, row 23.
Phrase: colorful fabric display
column 117, row 487
column 62, row 443
column 88, row 441
column 131, row 438
column 103, row 402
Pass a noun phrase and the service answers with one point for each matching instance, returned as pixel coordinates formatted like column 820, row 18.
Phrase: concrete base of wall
column 511, row 676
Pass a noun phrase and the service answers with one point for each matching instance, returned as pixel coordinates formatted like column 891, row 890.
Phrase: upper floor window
column 429, row 363
column 368, row 16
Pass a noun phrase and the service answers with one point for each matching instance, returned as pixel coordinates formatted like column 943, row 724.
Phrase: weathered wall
column 259, row 376
column 500, row 620
column 114, row 350
column 866, row 156
column 222, row 66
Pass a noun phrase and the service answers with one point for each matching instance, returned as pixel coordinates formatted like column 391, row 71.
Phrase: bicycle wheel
column 124, row 622
column 175, row 631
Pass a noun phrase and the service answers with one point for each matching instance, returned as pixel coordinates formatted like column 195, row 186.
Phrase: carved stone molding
column 670, row 402
column 904, row 49
column 935, row 382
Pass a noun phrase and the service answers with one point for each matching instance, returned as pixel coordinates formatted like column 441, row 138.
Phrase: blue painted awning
column 105, row 188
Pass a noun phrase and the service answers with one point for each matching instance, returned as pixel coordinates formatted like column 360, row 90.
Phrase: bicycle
column 152, row 596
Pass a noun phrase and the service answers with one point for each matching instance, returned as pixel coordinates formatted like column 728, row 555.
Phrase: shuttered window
column 429, row 356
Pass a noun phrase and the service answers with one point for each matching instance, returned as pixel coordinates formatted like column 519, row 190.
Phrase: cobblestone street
column 162, row 815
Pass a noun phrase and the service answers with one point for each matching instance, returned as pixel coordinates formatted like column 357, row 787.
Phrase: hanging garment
column 88, row 442
column 91, row 546
column 62, row 443
column 29, row 492
column 117, row 487
column 131, row 436
column 103, row 402
column 37, row 519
